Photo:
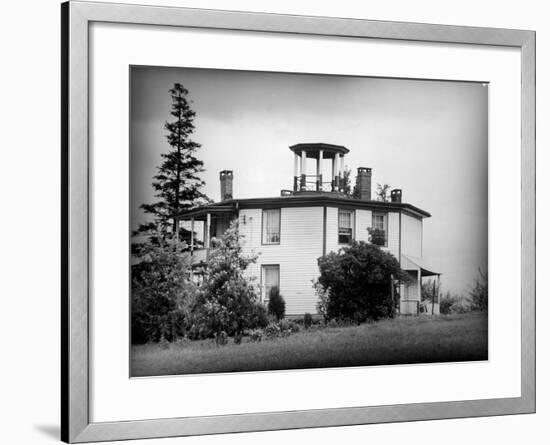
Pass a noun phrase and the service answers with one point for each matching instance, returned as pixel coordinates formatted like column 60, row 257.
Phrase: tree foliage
column 430, row 291
column 383, row 192
column 161, row 291
column 377, row 236
column 358, row 280
column 177, row 183
column 227, row 301
column 479, row 292
column 276, row 304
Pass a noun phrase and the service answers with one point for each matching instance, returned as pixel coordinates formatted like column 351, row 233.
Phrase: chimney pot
column 396, row 195
column 226, row 184
column 363, row 183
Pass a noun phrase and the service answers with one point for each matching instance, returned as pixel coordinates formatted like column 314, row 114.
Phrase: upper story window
column 345, row 226
column 271, row 226
column 380, row 223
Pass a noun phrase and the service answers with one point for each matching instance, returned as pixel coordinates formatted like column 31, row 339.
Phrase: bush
column 256, row 335
column 221, row 338
column 322, row 300
column 479, row 292
column 358, row 280
column 227, row 301
column 377, row 236
column 308, row 320
column 272, row 331
column 276, row 303
column 258, row 316
column 454, row 304
column 445, row 303
column 161, row 293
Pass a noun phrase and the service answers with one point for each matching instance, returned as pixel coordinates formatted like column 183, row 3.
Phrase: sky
column 429, row 138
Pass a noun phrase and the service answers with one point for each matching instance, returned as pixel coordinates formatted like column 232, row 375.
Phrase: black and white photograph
column 289, row 221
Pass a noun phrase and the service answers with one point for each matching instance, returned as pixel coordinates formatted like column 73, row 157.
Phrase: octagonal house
column 291, row 231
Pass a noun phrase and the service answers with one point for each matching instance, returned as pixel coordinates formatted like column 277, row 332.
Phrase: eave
column 233, row 205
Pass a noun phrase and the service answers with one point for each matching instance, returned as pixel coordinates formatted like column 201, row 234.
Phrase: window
column 271, row 230
column 345, row 226
column 270, row 279
column 380, row 223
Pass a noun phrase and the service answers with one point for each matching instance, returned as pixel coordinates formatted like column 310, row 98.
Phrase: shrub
column 454, row 304
column 226, row 299
column 445, row 303
column 322, row 300
column 221, row 338
column 163, row 343
column 308, row 320
column 256, row 335
column 377, row 236
column 238, row 338
column 461, row 306
column 276, row 303
column 358, row 281
column 161, row 293
column 479, row 293
column 258, row 316
column 272, row 331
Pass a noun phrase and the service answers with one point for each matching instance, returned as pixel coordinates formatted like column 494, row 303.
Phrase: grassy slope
column 398, row 341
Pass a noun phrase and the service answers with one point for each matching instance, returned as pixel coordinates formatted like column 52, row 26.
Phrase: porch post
column 207, row 239
column 192, row 234
column 438, row 288
column 419, row 278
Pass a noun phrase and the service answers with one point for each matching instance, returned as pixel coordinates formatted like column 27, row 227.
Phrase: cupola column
column 303, row 171
column 296, row 171
column 340, row 172
column 335, row 182
column 319, row 178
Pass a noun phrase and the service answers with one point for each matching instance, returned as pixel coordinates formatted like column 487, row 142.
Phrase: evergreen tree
column 177, row 184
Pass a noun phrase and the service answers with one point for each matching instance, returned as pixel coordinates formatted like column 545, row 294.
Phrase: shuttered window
column 345, row 226
column 271, row 230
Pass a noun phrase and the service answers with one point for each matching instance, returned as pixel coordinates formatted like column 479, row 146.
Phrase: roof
column 317, row 146
column 303, row 200
column 412, row 263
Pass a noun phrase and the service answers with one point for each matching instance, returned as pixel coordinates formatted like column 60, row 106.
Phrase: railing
column 313, row 183
column 199, row 255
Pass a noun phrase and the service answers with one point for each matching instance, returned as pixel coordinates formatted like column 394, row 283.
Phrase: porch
column 197, row 227
column 411, row 293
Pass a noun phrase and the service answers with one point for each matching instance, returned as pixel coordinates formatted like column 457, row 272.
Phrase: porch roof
column 412, row 263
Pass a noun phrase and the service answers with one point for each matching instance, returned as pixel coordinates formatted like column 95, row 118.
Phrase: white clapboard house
column 291, row 231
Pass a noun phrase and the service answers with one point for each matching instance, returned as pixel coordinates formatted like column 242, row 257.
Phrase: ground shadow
column 51, row 431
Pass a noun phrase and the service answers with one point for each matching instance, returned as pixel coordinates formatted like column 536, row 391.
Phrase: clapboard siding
column 301, row 244
column 332, row 230
column 393, row 233
column 411, row 236
column 363, row 221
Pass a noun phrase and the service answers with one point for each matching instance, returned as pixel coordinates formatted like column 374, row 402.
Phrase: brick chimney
column 395, row 195
column 226, row 184
column 363, row 183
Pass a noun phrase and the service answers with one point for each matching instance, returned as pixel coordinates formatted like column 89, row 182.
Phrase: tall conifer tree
column 177, row 184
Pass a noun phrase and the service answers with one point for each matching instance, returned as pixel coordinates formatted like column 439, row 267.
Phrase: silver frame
column 75, row 423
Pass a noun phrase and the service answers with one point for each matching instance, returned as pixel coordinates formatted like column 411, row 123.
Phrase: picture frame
column 77, row 280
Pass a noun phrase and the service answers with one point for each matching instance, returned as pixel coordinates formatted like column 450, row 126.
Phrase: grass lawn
column 399, row 341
